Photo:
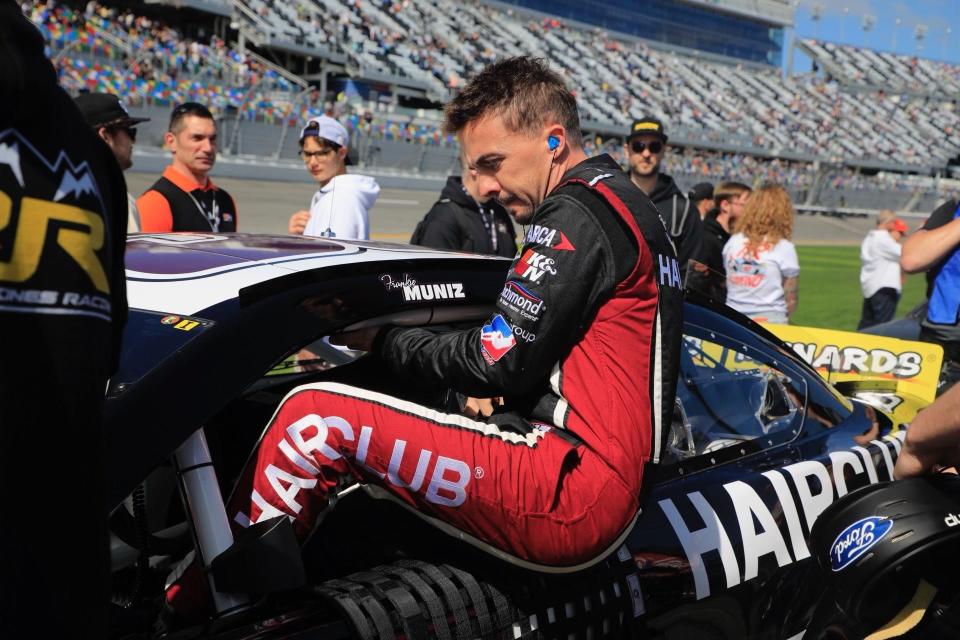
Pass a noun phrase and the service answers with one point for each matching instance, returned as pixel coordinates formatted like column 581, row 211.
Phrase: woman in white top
column 761, row 262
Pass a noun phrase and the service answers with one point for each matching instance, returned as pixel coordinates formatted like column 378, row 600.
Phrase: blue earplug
column 553, row 143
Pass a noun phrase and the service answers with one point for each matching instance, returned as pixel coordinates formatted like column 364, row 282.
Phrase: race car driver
column 584, row 344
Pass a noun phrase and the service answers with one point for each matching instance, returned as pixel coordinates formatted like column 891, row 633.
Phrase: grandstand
column 816, row 133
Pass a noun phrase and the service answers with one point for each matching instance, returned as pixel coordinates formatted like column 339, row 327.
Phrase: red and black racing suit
column 586, row 339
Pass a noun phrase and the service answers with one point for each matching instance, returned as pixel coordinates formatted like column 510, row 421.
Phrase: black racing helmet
column 889, row 548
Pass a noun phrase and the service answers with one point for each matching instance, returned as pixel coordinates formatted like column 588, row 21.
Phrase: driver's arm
column 549, row 298
column 933, row 439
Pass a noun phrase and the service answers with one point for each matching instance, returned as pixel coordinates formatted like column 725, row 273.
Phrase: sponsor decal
column 669, row 271
column 548, row 237
column 309, row 446
column 414, row 292
column 169, row 319
column 517, row 299
column 496, row 339
column 951, row 520
column 186, row 325
column 858, row 360
column 533, row 265
column 771, row 513
column 856, row 540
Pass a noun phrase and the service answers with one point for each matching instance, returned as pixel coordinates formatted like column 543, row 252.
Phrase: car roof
column 185, row 273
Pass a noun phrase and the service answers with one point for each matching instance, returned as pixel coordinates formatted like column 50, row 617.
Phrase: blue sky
column 936, row 16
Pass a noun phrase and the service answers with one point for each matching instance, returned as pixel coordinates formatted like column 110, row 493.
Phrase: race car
column 222, row 327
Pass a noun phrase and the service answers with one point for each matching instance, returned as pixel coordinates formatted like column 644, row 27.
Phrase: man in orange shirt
column 184, row 198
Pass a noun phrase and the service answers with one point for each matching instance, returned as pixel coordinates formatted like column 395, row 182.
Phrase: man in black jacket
column 463, row 220
column 645, row 148
column 708, row 273
column 63, row 218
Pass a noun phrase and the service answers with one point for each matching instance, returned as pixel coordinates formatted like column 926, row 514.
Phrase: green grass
column 830, row 288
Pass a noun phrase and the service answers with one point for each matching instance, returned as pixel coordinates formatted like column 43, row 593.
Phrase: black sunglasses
column 130, row 131
column 638, row 146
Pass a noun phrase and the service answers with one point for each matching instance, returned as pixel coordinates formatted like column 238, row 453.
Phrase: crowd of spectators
column 102, row 48
column 116, row 51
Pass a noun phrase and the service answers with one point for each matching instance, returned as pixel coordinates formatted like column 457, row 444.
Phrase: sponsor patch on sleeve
column 532, row 266
column 496, row 339
column 520, row 301
column 549, row 237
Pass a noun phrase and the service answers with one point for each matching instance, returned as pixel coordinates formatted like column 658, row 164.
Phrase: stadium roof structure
column 779, row 12
column 216, row 7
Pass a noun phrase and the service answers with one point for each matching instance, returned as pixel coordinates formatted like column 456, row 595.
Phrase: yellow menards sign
column 902, row 374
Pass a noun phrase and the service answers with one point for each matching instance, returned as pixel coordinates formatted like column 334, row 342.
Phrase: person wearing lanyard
column 341, row 206
column 184, row 198
column 453, row 222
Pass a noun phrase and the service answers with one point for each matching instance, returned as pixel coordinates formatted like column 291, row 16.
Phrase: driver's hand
column 298, row 222
column 358, row 340
column 481, row 407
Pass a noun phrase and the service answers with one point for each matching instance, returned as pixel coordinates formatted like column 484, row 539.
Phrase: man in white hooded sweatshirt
column 340, row 208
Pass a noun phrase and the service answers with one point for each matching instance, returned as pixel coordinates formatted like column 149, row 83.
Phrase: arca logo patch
column 547, row 237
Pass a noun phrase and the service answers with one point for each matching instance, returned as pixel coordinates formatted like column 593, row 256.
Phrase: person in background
column 880, row 278
column 464, row 220
column 111, row 121
column 63, row 313
column 645, row 149
column 709, row 273
column 184, row 198
column 701, row 195
column 761, row 262
column 341, row 206
column 935, row 248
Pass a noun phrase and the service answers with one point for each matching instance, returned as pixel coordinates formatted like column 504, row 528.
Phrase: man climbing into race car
column 584, row 345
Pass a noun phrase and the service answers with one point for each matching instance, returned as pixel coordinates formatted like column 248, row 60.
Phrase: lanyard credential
column 213, row 216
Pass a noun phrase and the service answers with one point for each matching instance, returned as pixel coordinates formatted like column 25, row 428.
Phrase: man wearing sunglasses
column 109, row 119
column 340, row 207
column 645, row 148
column 184, row 198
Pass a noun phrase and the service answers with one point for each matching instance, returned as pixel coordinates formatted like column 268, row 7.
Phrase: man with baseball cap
column 110, row 120
column 645, row 148
column 701, row 195
column 340, row 207
column 880, row 277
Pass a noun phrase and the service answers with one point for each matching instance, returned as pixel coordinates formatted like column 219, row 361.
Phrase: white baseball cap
column 327, row 128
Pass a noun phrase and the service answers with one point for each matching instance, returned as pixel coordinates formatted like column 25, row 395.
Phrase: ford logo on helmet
column 856, row 539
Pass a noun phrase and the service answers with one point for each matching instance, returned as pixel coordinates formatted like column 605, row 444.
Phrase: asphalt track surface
column 265, row 206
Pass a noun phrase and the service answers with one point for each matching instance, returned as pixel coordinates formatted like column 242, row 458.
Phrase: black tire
column 420, row 601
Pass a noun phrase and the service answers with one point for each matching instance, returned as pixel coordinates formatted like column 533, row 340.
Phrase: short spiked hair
column 521, row 90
